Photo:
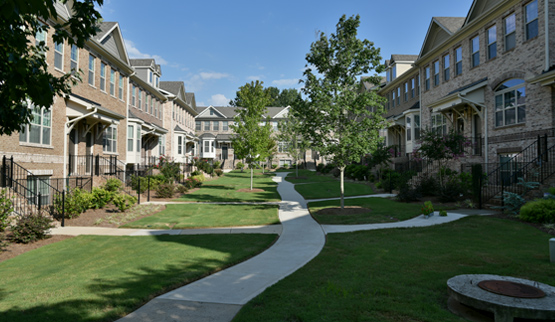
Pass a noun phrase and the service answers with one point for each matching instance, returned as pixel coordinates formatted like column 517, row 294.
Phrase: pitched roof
column 172, row 86
column 146, row 62
column 105, row 28
column 395, row 58
column 451, row 24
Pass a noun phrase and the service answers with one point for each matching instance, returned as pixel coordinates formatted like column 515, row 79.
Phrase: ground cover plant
column 100, row 278
column 233, row 186
column 204, row 216
column 400, row 274
column 374, row 210
column 331, row 189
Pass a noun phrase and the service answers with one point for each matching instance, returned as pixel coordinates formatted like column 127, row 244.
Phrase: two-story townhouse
column 213, row 127
column 146, row 133
column 402, row 105
column 180, row 144
column 61, row 140
column 489, row 76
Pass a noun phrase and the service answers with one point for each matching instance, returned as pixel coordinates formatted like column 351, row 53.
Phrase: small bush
column 239, row 166
column 320, row 167
column 6, row 208
column 408, row 194
column 195, row 173
column 165, row 190
column 124, row 201
column 181, row 188
column 327, row 168
column 200, row 178
column 274, row 166
column 217, row 165
column 113, row 185
column 335, row 172
column 31, row 228
column 451, row 192
column 541, row 211
column 101, row 197
column 429, row 186
column 219, row 172
column 76, row 202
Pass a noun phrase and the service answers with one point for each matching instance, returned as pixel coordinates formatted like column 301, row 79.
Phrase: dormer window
column 150, row 77
column 394, row 72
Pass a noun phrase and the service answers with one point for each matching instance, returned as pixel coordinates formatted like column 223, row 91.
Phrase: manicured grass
column 331, row 189
column 401, row 274
column 99, row 278
column 224, row 189
column 380, row 210
column 307, row 176
column 203, row 216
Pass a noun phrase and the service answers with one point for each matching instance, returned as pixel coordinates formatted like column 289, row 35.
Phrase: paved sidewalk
column 219, row 297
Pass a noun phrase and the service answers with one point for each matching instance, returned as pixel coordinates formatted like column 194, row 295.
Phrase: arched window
column 510, row 103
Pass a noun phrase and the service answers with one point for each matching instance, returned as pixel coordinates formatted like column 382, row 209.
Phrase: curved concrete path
column 219, row 297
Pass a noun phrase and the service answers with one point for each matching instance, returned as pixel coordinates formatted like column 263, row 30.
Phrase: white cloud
column 134, row 52
column 286, row 82
column 255, row 78
column 219, row 100
column 213, row 75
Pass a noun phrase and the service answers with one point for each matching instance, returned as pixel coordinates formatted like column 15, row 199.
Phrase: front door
column 88, row 153
column 224, row 152
column 72, row 158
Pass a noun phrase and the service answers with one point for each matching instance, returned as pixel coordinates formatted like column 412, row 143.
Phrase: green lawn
column 401, row 274
column 380, row 210
column 331, row 189
column 203, row 216
column 307, row 176
column 224, row 189
column 99, row 278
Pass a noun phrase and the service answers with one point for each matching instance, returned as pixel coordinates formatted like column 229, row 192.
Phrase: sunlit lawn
column 179, row 216
column 331, row 189
column 225, row 188
column 307, row 176
column 401, row 274
column 99, row 278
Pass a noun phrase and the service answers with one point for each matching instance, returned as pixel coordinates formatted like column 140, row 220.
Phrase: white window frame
column 446, row 67
column 43, row 126
column 492, row 42
column 206, row 126
column 436, row 73
column 216, row 126
column 133, row 95
column 92, row 69
column 475, row 51
column 59, row 56
column 110, row 140
column 120, row 87
column 439, row 123
column 198, row 126
column 130, row 138
column 458, row 61
column 103, row 76
column 503, row 105
column 74, row 59
column 140, row 97
column 531, row 22
column 427, row 75
column 509, row 30
column 112, row 82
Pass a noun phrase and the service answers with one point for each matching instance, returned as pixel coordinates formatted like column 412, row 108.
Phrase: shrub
column 429, row 186
column 452, row 191
column 335, row 172
column 135, row 183
column 319, row 167
column 200, row 178
column 274, row 166
column 443, row 213
column 513, row 201
column 124, row 201
column 217, row 165
column 165, row 190
column 76, row 202
column 101, row 197
column 219, row 172
column 181, row 188
column 427, row 208
column 408, row 194
column 169, row 169
column 390, row 179
column 195, row 173
column 239, row 166
column 31, row 228
column 113, row 185
column 6, row 208
column 541, row 211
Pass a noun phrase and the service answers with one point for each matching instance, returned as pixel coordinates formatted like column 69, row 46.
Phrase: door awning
column 472, row 94
column 77, row 106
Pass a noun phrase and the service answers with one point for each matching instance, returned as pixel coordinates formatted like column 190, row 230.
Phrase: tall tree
column 288, row 97
column 290, row 135
column 250, row 140
column 24, row 75
column 341, row 121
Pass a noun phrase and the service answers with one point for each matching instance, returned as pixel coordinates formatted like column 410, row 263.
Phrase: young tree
column 251, row 139
column 24, row 75
column 339, row 119
column 290, row 134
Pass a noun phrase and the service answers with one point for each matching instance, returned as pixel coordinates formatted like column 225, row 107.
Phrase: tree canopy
column 251, row 139
column 24, row 75
column 339, row 119
column 277, row 98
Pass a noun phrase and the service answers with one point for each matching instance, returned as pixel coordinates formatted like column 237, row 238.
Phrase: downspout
column 546, row 23
column 127, row 113
column 68, row 126
column 485, row 112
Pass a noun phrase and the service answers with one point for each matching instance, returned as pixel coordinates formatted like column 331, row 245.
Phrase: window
column 198, row 126
column 446, row 67
column 408, row 128
column 120, row 91
column 225, row 126
column 436, row 73
column 475, row 50
column 275, row 126
column 427, row 81
column 102, row 77
column 458, row 61
column 510, row 103
column 130, row 138
column 40, row 37
column 74, row 61
column 140, row 99
column 388, row 75
column 439, row 123
column 394, row 72
column 157, row 82
column 215, row 125
column 38, row 185
column 155, row 108
column 151, row 100
column 393, row 99
column 150, row 77
column 110, row 140
column 208, row 146
column 147, row 102
column 59, row 56
column 532, row 20
column 398, row 95
column 40, row 129
column 283, row 147
column 492, row 42
column 406, row 91
column 417, row 127
column 92, row 61
column 133, row 95
column 412, row 88
column 112, row 82
column 510, row 32
column 138, row 127
column 207, row 125
column 162, row 145
column 180, row 145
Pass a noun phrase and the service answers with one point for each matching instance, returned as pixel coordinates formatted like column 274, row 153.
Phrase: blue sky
column 217, row 46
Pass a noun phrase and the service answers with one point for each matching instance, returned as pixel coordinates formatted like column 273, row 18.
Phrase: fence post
column 148, row 187
column 97, row 165
column 390, row 186
column 39, row 198
column 502, row 192
column 63, row 207
column 481, row 191
column 3, row 173
column 10, row 177
column 139, row 190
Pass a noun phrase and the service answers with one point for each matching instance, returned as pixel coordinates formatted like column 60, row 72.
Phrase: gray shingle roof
column 145, row 62
column 105, row 27
column 395, row 58
column 172, row 87
column 452, row 24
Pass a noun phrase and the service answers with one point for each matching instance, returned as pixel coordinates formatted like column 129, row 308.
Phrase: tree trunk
column 251, row 176
column 342, row 185
column 297, row 168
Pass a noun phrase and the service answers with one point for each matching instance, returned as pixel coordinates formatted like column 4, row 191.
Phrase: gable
column 441, row 28
column 478, row 8
column 111, row 39
column 210, row 111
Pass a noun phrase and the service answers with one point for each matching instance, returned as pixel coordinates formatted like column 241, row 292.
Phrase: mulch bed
column 249, row 190
column 347, row 210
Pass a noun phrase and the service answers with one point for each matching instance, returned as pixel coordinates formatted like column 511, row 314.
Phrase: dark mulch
column 249, row 190
column 347, row 210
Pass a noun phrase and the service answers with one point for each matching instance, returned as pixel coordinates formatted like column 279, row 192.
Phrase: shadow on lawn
column 120, row 297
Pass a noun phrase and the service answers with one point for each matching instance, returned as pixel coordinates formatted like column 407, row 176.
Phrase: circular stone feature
column 512, row 289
